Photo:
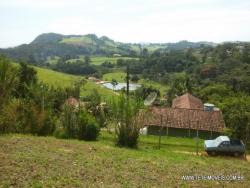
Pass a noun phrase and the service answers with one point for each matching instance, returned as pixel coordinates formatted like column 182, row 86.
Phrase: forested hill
column 52, row 44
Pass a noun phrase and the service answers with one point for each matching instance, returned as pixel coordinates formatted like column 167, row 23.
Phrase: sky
column 126, row 21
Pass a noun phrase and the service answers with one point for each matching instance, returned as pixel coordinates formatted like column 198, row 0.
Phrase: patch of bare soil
column 248, row 158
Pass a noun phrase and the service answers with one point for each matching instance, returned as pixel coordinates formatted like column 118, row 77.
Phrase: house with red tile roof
column 187, row 101
column 186, row 118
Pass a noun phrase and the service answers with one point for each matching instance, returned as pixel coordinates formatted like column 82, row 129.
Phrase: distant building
column 94, row 79
column 101, row 82
column 186, row 118
column 117, row 55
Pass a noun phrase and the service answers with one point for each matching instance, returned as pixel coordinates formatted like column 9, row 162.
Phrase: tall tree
column 114, row 83
column 87, row 60
column 180, row 85
column 7, row 79
column 27, row 77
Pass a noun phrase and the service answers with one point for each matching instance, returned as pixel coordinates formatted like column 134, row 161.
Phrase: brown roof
column 72, row 101
column 187, row 101
column 185, row 118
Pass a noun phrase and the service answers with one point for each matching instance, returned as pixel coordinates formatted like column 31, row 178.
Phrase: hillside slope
column 58, row 79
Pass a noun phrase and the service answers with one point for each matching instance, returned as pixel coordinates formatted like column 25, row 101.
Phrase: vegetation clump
column 128, row 120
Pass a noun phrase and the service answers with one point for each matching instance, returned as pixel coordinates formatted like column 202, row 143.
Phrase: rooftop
column 185, row 118
column 187, row 101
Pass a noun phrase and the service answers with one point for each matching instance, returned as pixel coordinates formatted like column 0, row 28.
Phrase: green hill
column 52, row 44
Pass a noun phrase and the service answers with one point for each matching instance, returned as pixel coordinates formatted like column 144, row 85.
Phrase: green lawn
column 29, row 161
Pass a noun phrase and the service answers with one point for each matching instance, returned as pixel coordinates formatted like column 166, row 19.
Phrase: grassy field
column 59, row 79
column 162, row 88
column 118, row 76
column 83, row 40
column 63, row 80
column 95, row 60
column 55, row 78
column 98, row 60
column 29, row 161
column 106, row 94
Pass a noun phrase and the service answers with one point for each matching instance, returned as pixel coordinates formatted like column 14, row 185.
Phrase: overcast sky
column 127, row 20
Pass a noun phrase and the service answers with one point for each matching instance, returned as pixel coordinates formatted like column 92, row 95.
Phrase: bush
column 88, row 127
column 49, row 124
column 59, row 132
column 21, row 116
column 77, row 124
column 9, row 117
column 129, row 120
column 69, row 121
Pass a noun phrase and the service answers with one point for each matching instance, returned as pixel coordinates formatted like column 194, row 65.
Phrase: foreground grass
column 28, row 161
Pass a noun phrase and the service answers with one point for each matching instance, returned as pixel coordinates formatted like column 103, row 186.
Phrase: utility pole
column 160, row 132
column 197, row 137
column 127, row 80
column 42, row 86
column 127, row 98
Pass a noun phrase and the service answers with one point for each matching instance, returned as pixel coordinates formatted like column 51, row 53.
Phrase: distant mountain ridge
column 53, row 44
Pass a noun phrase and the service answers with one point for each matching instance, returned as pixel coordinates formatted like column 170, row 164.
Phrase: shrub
column 69, row 121
column 9, row 117
column 21, row 116
column 60, row 132
column 77, row 124
column 98, row 110
column 126, row 114
column 49, row 124
column 88, row 127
